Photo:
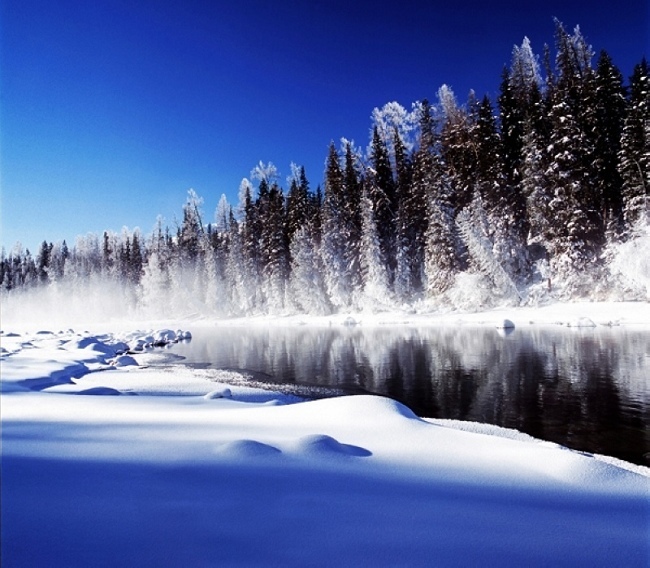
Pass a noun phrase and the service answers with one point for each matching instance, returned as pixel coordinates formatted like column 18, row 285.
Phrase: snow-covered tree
column 376, row 292
column 383, row 194
column 222, row 215
column 634, row 155
column 334, row 249
column 610, row 113
column 307, row 281
column 474, row 228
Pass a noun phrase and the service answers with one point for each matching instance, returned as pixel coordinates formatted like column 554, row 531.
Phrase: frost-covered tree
column 351, row 215
column 610, row 113
column 474, row 228
column 504, row 203
column 431, row 182
column 297, row 202
column 519, row 94
column 334, row 248
column 191, row 231
column 634, row 155
column 410, row 227
column 222, row 215
column 251, row 268
column 456, row 147
column 576, row 228
column 307, row 281
column 43, row 261
column 267, row 173
column 394, row 117
column 274, row 247
column 383, row 194
column 376, row 291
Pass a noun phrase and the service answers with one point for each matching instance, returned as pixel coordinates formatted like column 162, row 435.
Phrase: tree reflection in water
column 588, row 389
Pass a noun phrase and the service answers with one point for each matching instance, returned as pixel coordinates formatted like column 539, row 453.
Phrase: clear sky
column 112, row 109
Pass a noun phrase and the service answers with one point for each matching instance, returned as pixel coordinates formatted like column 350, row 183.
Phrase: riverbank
column 131, row 459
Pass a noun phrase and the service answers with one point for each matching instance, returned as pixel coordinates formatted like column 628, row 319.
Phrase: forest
column 451, row 205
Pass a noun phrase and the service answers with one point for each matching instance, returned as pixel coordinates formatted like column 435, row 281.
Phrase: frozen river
column 586, row 388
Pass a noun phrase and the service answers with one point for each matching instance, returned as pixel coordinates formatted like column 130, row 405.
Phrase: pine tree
column 610, row 113
column 191, row 231
column 334, row 247
column 432, row 185
column 43, row 260
column 634, row 155
column 274, row 246
column 307, row 281
column 251, row 262
column 504, row 203
column 136, row 260
column 456, row 148
column 576, row 226
column 351, row 215
column 297, row 204
column 411, row 225
column 373, row 268
column 384, row 199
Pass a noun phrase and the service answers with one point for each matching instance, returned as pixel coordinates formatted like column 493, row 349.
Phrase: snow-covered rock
column 164, row 336
column 581, row 322
column 124, row 361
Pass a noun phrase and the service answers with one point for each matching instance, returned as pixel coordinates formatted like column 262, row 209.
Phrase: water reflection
column 588, row 389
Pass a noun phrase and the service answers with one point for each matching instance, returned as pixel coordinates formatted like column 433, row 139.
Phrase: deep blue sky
column 113, row 109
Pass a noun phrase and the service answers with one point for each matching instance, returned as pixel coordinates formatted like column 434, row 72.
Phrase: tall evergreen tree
column 334, row 236
column 634, row 155
column 297, row 204
column 432, row 184
column 610, row 113
column 384, row 199
column 456, row 148
column 411, row 226
column 351, row 215
column 374, row 272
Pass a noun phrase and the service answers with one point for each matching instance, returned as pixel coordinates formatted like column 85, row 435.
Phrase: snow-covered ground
column 115, row 459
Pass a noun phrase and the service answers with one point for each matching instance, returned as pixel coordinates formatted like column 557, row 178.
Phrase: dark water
column 588, row 389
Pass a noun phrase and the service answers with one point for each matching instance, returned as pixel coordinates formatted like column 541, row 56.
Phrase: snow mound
column 164, row 336
column 124, row 361
column 218, row 393
column 81, row 343
column 581, row 322
column 326, row 446
column 247, row 449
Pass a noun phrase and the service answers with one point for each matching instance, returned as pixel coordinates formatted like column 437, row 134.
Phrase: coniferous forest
column 509, row 201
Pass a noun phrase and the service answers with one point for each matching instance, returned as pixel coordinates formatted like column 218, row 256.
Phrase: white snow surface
column 115, row 459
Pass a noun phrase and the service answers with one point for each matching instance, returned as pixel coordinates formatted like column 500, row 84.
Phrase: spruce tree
column 432, row 184
column 634, row 156
column 610, row 114
column 384, row 199
column 334, row 238
column 351, row 215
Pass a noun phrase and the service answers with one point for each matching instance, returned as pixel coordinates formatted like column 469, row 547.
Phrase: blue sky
column 112, row 109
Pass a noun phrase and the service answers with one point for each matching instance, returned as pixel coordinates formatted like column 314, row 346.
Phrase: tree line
column 507, row 197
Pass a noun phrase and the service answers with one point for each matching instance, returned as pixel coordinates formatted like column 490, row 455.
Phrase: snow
column 194, row 468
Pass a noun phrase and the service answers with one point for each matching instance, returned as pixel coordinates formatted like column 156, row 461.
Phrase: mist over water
column 587, row 389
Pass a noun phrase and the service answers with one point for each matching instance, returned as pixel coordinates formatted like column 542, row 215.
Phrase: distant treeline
column 524, row 194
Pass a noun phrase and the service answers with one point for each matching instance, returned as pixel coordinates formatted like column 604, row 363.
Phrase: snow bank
column 194, row 471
